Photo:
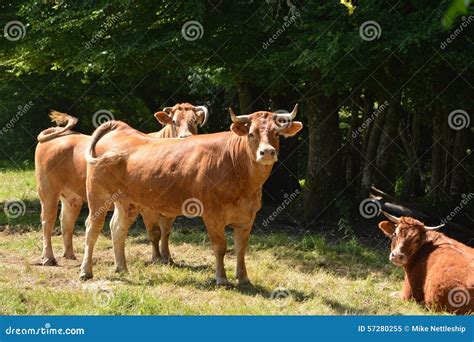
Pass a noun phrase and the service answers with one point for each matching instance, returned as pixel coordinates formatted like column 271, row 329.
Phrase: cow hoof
column 50, row 262
column 121, row 270
column 245, row 281
column 69, row 256
column 85, row 276
column 223, row 282
column 167, row 261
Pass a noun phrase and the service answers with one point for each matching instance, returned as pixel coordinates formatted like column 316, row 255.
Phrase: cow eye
column 250, row 135
column 174, row 122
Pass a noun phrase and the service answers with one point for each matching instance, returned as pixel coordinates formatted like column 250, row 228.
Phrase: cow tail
column 60, row 119
column 108, row 158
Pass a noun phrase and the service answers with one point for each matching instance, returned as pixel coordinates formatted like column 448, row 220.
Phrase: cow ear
column 163, row 118
column 239, row 129
column 290, row 131
column 387, row 227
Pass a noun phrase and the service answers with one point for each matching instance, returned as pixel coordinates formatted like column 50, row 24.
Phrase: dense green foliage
column 132, row 58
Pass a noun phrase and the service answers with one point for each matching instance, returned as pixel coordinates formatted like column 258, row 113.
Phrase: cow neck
column 439, row 240
column 165, row 132
column 433, row 241
column 244, row 165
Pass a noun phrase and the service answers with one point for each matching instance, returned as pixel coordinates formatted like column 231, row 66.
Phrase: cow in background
column 439, row 271
column 60, row 169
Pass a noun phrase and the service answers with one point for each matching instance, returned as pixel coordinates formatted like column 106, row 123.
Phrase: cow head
column 183, row 118
column 407, row 234
column 262, row 131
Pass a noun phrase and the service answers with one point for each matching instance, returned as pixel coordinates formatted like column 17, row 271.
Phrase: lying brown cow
column 60, row 169
column 439, row 271
column 220, row 174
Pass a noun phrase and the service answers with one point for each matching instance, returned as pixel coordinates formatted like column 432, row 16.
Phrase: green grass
column 313, row 275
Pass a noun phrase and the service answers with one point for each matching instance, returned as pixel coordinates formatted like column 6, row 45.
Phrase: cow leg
column 122, row 219
column 241, row 239
column 151, row 221
column 166, row 224
column 70, row 210
column 94, row 224
column 49, row 211
column 216, row 234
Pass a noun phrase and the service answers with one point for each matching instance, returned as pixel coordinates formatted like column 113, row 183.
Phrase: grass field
column 291, row 273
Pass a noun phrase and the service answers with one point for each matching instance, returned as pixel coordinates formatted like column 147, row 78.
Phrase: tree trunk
column 324, row 177
column 458, row 179
column 370, row 152
column 284, row 179
column 385, row 175
column 437, row 154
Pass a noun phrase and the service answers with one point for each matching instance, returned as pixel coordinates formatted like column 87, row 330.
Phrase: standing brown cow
column 216, row 176
column 439, row 271
column 60, row 169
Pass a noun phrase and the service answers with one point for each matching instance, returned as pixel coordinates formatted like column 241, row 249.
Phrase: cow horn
column 167, row 109
column 435, row 227
column 206, row 114
column 392, row 218
column 293, row 113
column 240, row 118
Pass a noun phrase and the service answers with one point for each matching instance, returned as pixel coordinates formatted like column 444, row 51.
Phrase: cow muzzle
column 398, row 258
column 267, row 155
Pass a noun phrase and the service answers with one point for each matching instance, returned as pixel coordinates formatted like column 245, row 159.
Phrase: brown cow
column 439, row 271
column 60, row 169
column 216, row 176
